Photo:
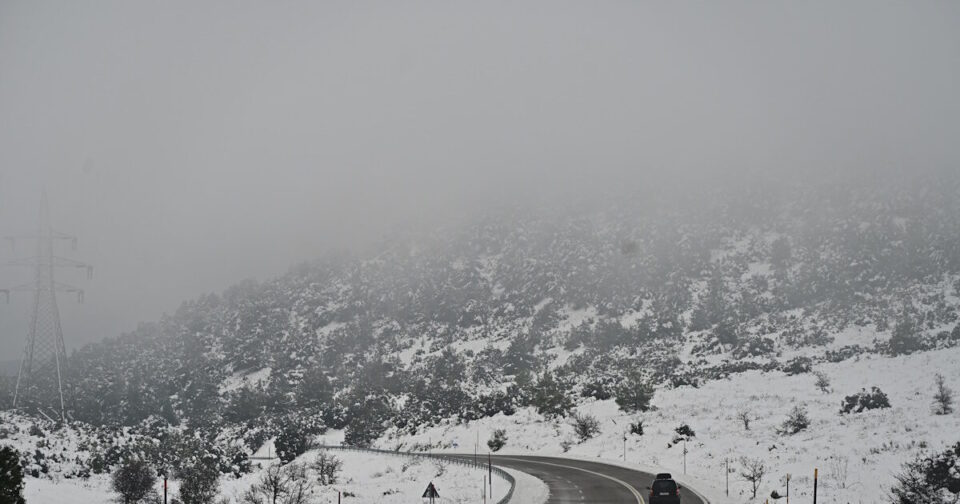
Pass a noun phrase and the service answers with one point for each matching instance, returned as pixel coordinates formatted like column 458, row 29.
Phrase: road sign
column 431, row 492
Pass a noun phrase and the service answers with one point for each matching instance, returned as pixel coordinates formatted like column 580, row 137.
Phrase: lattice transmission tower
column 42, row 385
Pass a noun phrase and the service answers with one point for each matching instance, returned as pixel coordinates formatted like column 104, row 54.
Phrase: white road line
column 625, row 484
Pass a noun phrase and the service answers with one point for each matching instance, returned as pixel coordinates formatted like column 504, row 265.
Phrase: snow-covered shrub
column 823, row 381
column 585, row 426
column 498, row 440
column 745, row 417
column 864, row 400
column 133, row 480
column 797, row 420
column 754, row 347
column 684, row 433
column 550, row 397
column 637, row 427
column 11, row 476
column 291, row 442
column 843, row 353
column 199, row 483
column 798, row 365
column 930, row 480
column 596, row 389
column 906, row 337
column 496, row 402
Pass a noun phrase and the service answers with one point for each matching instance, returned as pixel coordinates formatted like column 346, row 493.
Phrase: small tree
column 585, row 426
column 906, row 336
column 11, row 476
column 199, row 483
column 281, row 485
column 292, row 442
column 943, row 398
column 550, row 397
column 498, row 440
column 634, row 394
column 328, row 468
column 823, row 381
column 637, row 427
column 745, row 417
column 753, row 470
column 797, row 420
column 133, row 480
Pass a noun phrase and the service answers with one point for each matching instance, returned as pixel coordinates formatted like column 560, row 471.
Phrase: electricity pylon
column 41, row 380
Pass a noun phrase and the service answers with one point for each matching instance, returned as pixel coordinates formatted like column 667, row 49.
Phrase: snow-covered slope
column 856, row 454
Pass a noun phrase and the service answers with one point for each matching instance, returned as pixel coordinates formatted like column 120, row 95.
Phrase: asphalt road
column 575, row 481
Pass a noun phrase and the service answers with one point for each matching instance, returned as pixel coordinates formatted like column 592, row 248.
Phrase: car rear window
column 662, row 486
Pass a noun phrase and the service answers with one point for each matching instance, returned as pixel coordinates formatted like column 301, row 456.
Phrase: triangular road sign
column 431, row 492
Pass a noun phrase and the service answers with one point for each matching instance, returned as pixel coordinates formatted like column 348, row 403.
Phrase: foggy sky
column 194, row 144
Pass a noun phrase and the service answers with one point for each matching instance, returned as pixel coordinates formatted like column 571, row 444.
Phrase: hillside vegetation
column 543, row 309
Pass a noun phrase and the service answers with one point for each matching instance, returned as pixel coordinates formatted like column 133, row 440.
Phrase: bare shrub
column 745, row 417
column 585, row 426
column 840, row 469
column 328, row 467
column 281, row 485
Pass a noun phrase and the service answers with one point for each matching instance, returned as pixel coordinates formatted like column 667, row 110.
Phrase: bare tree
column 823, row 381
column 281, row 485
column 745, row 417
column 840, row 469
column 327, row 467
column 943, row 399
column 753, row 471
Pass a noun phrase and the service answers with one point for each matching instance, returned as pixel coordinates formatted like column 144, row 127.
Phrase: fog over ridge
column 190, row 146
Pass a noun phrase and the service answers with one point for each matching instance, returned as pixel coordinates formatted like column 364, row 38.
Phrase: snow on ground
column 528, row 490
column 370, row 478
column 243, row 379
column 69, row 491
column 366, row 478
column 857, row 455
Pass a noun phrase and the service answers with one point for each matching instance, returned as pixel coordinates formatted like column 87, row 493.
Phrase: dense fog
column 190, row 146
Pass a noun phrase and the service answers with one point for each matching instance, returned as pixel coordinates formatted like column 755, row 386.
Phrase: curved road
column 576, row 481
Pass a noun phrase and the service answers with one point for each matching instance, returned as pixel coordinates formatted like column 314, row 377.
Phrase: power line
column 41, row 379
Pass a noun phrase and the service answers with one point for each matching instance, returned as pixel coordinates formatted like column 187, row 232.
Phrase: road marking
column 625, row 484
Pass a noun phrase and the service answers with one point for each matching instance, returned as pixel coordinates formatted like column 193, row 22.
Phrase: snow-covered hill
column 857, row 454
column 718, row 302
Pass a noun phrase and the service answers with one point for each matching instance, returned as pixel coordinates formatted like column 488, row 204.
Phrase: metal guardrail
column 454, row 459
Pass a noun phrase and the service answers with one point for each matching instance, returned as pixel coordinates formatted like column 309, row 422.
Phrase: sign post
column 815, row 471
column 788, row 488
column 431, row 493
column 726, row 463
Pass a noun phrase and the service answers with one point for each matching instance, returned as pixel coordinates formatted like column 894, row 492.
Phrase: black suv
column 664, row 490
